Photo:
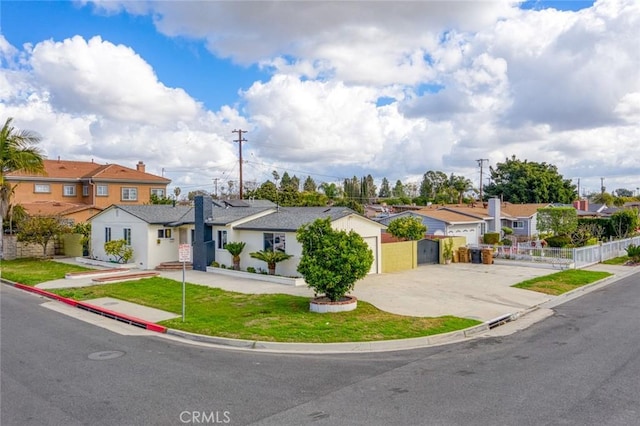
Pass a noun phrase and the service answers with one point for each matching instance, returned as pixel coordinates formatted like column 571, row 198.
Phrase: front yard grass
column 31, row 271
column 266, row 317
column 562, row 282
column 621, row 260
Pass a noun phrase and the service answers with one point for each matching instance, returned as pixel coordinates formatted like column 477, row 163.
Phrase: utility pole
column 240, row 140
column 215, row 185
column 481, row 163
column 602, row 188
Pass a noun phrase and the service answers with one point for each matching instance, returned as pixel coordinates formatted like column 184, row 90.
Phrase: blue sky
column 328, row 89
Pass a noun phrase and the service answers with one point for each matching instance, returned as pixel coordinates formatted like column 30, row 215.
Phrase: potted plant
column 447, row 250
column 271, row 258
column 235, row 248
column 332, row 261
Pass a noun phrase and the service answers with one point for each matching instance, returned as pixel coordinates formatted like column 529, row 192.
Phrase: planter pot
column 324, row 305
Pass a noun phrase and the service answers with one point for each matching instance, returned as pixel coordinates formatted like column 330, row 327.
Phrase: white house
column 156, row 231
column 276, row 229
column 153, row 231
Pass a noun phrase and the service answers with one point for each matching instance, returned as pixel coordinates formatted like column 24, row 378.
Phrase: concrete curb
column 138, row 322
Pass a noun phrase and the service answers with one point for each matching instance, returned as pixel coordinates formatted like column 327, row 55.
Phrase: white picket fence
column 562, row 258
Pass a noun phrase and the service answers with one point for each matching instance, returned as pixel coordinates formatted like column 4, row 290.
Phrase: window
column 275, row 242
column 164, row 233
column 107, row 235
column 85, row 190
column 158, row 192
column 42, row 188
column 518, row 224
column 127, row 235
column 222, row 239
column 69, row 190
column 102, row 190
column 129, row 194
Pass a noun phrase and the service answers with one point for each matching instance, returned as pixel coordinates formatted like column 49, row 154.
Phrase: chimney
column 577, row 204
column 140, row 167
column 494, row 212
column 584, row 205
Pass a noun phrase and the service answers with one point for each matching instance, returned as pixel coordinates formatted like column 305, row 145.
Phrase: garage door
column 471, row 234
column 373, row 245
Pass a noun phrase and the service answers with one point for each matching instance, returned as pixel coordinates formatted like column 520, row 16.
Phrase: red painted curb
column 95, row 309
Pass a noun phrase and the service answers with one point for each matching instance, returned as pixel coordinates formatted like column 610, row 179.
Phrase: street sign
column 184, row 253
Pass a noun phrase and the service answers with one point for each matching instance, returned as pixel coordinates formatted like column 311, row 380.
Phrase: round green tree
column 332, row 261
column 407, row 228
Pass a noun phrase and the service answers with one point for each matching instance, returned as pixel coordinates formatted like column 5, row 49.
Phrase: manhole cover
column 103, row 355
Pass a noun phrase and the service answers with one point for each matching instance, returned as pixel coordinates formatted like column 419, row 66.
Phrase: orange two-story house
column 76, row 190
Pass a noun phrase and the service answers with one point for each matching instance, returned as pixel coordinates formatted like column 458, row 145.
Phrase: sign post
column 184, row 256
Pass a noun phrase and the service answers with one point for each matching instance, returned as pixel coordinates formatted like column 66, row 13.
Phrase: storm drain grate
column 496, row 322
column 112, row 315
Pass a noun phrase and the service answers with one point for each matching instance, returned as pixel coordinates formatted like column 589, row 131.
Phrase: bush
column 633, row 251
column 119, row 249
column 491, row 238
column 215, row 264
column 506, row 242
column 506, row 230
column 558, row 241
column 251, row 269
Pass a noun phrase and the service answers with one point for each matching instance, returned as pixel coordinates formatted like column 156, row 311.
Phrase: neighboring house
column 76, row 190
column 474, row 220
column 153, row 231
column 444, row 222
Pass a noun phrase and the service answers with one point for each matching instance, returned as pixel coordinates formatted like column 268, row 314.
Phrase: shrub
column 251, row 269
column 332, row 261
column 215, row 264
column 491, row 238
column 558, row 241
column 506, row 242
column 223, row 266
column 633, row 251
column 119, row 249
column 506, row 230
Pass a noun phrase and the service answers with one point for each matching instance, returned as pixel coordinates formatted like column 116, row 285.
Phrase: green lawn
column 35, row 271
column 562, row 282
column 270, row 317
column 617, row 260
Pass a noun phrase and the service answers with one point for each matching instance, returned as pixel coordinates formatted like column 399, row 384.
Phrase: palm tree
column 271, row 258
column 17, row 153
column 235, row 249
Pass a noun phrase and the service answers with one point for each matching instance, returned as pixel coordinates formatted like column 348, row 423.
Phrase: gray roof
column 244, row 203
column 292, row 218
column 227, row 215
column 160, row 213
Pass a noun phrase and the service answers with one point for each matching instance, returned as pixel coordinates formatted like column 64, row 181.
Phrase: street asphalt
column 476, row 291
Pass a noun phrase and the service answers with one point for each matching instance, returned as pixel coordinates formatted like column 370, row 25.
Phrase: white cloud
column 466, row 80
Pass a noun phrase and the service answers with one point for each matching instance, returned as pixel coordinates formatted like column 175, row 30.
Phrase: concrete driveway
column 469, row 290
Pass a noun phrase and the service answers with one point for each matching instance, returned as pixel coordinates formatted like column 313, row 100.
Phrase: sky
column 328, row 89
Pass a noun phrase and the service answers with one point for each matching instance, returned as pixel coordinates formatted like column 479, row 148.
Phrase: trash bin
column 476, row 255
column 463, row 254
column 487, row 256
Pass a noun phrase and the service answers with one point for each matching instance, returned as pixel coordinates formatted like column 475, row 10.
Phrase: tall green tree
column 309, row 185
column 18, row 153
column 519, row 181
column 398, row 190
column 433, row 185
column 625, row 222
column 385, row 189
column 460, row 185
column 331, row 190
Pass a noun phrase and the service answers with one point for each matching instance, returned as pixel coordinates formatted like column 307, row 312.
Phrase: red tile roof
column 64, row 169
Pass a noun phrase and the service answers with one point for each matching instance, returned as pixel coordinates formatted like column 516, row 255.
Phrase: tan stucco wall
column 399, row 256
